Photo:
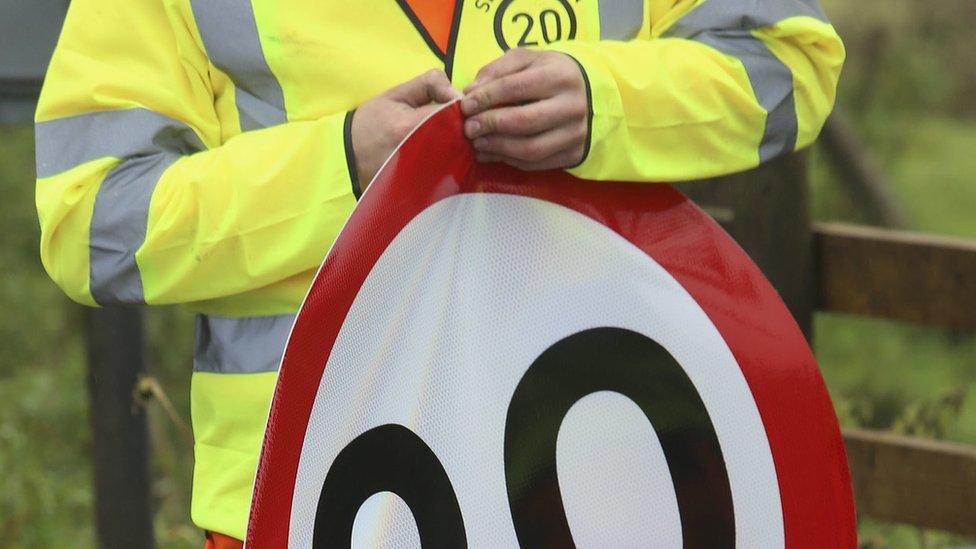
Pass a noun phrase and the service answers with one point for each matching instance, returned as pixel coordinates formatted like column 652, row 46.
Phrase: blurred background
column 908, row 95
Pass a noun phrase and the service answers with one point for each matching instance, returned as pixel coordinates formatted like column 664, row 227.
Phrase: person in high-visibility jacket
column 207, row 152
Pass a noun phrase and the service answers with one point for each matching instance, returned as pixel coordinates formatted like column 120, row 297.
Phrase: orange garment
column 435, row 17
column 220, row 541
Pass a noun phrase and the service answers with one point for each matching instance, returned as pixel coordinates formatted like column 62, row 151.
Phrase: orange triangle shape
column 435, row 16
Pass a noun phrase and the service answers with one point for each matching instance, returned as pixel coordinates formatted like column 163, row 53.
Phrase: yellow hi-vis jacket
column 198, row 151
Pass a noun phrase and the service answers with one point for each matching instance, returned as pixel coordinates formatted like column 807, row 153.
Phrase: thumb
column 431, row 87
column 511, row 62
column 420, row 114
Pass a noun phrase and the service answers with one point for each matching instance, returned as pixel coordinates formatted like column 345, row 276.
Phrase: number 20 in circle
column 497, row 358
column 523, row 23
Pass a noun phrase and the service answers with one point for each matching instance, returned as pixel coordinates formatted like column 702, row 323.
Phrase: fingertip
column 472, row 129
column 469, row 105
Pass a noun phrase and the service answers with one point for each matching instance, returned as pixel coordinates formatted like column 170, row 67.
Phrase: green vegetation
column 910, row 86
column 45, row 490
column 907, row 84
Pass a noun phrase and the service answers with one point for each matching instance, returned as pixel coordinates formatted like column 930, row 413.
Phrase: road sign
column 499, row 358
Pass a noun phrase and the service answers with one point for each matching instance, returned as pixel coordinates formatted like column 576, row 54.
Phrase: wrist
column 606, row 112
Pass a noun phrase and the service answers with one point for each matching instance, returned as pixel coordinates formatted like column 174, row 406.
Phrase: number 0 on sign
column 494, row 358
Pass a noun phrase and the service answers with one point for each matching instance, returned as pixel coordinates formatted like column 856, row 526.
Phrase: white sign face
column 524, row 274
column 495, row 358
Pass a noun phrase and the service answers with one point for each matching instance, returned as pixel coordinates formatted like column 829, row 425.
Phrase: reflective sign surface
column 496, row 358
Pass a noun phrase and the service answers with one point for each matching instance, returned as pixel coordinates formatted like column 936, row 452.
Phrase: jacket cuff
column 605, row 108
column 357, row 189
column 589, row 111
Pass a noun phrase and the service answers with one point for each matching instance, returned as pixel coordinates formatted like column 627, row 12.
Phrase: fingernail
column 469, row 104
column 480, row 143
column 471, row 128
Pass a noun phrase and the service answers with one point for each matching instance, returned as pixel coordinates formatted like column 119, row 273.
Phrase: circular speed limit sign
column 495, row 358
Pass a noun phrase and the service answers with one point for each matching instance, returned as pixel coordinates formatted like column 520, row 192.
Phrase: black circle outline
column 500, row 13
column 388, row 458
column 639, row 368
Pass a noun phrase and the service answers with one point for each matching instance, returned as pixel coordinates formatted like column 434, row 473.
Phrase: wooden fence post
column 120, row 448
column 767, row 211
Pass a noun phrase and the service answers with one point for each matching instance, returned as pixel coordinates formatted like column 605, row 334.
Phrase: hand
column 528, row 109
column 380, row 124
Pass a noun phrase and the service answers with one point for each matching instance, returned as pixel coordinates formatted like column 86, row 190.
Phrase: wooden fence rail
column 912, row 277
column 915, row 481
column 896, row 275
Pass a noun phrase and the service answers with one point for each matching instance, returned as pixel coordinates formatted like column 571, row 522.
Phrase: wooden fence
column 917, row 278
column 866, row 271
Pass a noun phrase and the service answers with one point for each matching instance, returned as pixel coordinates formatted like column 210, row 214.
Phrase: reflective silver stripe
column 240, row 345
column 726, row 25
column 620, row 19
column 118, row 228
column 147, row 143
column 230, row 35
column 743, row 14
column 64, row 143
column 229, row 32
column 772, row 82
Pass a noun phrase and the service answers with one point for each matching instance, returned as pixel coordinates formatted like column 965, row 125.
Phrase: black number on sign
column 613, row 359
column 529, row 22
column 544, row 19
column 393, row 458
column 388, row 458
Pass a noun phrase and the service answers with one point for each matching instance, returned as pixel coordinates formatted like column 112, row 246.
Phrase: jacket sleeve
column 718, row 86
column 145, row 195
